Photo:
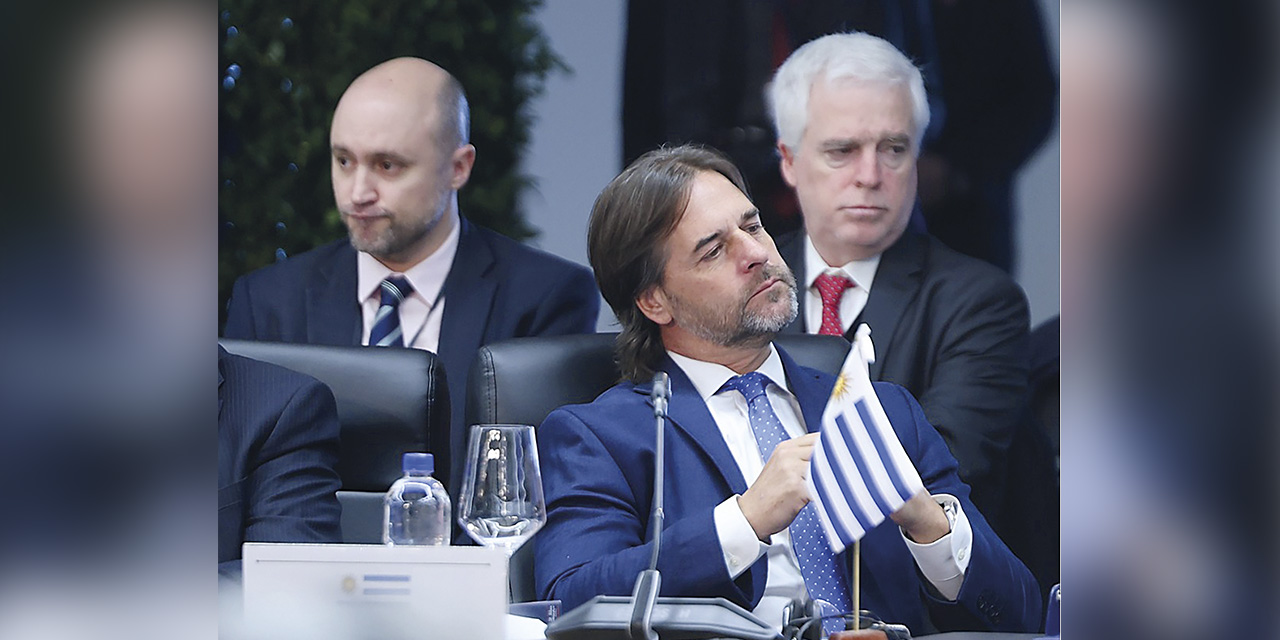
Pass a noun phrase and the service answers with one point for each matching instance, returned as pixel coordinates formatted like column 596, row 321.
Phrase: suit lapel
column 791, row 248
column 469, row 291
column 687, row 412
column 896, row 285
column 811, row 388
column 333, row 313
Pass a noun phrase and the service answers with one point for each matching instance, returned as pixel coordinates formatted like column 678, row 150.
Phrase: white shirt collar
column 861, row 272
column 426, row 277
column 708, row 377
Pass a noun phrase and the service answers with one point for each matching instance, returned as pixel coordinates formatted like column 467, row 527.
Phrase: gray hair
column 841, row 56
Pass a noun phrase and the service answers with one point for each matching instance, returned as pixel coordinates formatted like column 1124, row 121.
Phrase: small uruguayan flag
column 859, row 473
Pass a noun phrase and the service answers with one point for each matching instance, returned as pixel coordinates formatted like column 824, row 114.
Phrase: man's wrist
column 738, row 540
column 762, row 538
column 930, row 522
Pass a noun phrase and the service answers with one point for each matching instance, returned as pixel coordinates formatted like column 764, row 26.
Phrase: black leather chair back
column 523, row 380
column 389, row 401
column 824, row 353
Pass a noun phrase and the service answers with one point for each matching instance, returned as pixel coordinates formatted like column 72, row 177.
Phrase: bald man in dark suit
column 400, row 153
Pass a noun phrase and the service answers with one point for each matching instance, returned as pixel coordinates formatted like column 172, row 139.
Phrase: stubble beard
column 737, row 325
column 399, row 239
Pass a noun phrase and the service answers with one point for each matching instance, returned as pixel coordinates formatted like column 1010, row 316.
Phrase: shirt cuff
column 738, row 540
column 945, row 560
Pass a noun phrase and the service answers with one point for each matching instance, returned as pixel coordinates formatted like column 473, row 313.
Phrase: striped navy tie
column 386, row 324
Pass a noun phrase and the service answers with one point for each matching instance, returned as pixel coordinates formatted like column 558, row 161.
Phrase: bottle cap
column 419, row 463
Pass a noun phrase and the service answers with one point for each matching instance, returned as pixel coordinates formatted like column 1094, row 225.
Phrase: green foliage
column 294, row 63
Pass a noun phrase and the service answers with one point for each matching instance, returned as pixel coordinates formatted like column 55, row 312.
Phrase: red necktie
column 831, row 288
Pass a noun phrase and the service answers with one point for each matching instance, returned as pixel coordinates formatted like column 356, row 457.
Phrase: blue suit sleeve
column 594, row 540
column 998, row 589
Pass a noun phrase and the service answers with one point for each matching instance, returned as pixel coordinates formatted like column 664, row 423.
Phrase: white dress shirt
column 861, row 272
column 943, row 562
column 420, row 311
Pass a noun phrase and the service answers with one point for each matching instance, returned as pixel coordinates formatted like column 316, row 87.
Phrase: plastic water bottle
column 416, row 510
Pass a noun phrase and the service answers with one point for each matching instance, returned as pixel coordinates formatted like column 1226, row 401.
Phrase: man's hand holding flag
column 859, row 473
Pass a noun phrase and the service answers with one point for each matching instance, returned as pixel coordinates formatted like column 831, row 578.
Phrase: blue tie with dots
column 823, row 576
column 386, row 323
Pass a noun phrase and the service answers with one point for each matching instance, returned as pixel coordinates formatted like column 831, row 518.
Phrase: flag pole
column 862, row 344
column 857, row 584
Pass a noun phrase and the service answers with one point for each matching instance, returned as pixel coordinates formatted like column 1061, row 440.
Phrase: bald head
column 416, row 89
column 400, row 154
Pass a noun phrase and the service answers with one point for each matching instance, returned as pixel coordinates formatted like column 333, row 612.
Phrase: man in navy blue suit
column 400, row 153
column 700, row 291
column 277, row 447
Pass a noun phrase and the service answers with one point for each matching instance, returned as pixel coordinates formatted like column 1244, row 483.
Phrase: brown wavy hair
column 626, row 241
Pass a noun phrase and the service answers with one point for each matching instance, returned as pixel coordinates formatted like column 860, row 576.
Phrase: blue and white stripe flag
column 859, row 473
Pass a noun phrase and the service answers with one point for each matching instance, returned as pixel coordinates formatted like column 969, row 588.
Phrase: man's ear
column 460, row 164
column 655, row 305
column 787, row 164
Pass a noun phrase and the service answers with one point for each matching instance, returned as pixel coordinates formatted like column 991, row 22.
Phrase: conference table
column 527, row 629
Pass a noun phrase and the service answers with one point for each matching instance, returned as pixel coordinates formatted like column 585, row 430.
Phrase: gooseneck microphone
column 660, row 395
column 649, row 581
column 645, row 616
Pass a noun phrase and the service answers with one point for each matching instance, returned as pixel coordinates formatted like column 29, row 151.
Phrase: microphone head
column 661, row 385
column 660, row 393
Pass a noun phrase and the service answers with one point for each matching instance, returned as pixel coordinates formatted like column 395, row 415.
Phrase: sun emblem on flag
column 841, row 388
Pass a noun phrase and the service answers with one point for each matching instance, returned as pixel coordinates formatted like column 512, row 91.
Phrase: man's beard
column 736, row 325
column 398, row 238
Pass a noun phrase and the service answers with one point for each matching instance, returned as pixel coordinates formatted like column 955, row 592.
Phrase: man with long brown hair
column 700, row 290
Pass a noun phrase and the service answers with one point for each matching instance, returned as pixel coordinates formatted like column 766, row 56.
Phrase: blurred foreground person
column 107, row 444
column 1168, row 330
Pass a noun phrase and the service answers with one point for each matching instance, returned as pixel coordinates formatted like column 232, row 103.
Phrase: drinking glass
column 501, row 504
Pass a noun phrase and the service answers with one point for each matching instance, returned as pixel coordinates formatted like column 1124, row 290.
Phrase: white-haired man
column 850, row 111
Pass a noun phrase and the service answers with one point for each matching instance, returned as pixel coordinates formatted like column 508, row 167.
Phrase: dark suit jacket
column 496, row 289
column 277, row 447
column 953, row 331
column 598, row 477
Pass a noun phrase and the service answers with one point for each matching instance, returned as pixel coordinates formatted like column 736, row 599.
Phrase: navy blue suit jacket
column 597, row 472
column 496, row 289
column 277, row 447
